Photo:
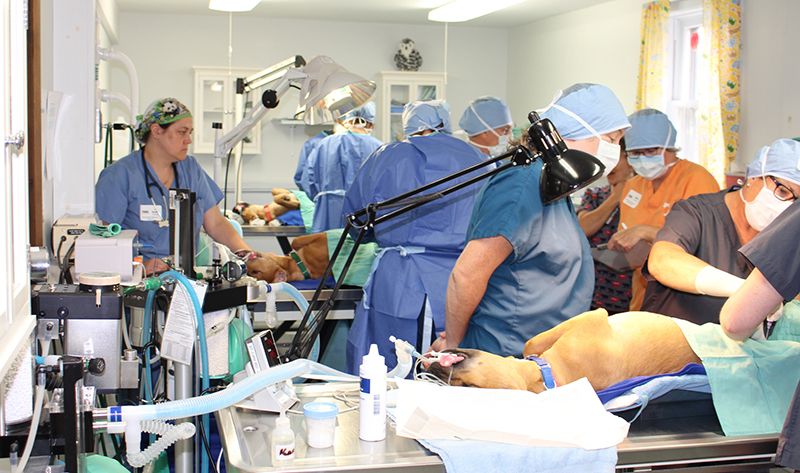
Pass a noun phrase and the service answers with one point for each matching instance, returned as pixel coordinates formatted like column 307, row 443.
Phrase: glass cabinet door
column 400, row 96
column 213, row 103
column 426, row 92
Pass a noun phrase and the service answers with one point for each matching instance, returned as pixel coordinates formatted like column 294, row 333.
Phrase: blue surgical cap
column 650, row 129
column 366, row 111
column 780, row 159
column 485, row 113
column 430, row 115
column 595, row 104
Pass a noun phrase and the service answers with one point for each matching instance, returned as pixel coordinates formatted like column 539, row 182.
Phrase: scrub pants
column 789, row 442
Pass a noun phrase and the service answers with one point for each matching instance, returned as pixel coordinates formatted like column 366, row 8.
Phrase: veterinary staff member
column 527, row 266
column 598, row 216
column 405, row 293
column 332, row 166
column 775, row 279
column 487, row 121
column 662, row 179
column 308, row 147
column 134, row 190
column 695, row 264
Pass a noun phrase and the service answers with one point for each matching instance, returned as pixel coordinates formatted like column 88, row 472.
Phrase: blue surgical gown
column 305, row 152
column 329, row 171
column 120, row 192
column 420, row 247
column 549, row 275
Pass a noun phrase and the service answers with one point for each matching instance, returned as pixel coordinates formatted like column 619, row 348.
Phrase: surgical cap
column 650, row 129
column 161, row 112
column 483, row 114
column 780, row 159
column 595, row 104
column 366, row 112
column 430, row 115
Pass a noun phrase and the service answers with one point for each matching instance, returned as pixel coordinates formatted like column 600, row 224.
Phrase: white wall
column 770, row 72
column 165, row 47
column 597, row 44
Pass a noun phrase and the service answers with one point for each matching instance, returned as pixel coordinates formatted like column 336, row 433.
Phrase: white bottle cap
column 373, row 358
column 282, row 420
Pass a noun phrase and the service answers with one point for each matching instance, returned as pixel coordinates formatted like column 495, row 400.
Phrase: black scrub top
column 703, row 227
column 776, row 252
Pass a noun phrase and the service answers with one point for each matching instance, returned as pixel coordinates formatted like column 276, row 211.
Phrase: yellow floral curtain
column 654, row 31
column 718, row 95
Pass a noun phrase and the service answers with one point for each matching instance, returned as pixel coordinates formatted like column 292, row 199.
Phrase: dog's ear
column 280, row 276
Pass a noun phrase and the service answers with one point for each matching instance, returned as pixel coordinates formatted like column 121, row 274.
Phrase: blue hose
column 148, row 313
column 201, row 335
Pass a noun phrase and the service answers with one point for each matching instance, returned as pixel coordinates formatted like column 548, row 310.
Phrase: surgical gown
column 329, row 171
column 406, row 292
column 547, row 278
column 309, row 146
column 122, row 190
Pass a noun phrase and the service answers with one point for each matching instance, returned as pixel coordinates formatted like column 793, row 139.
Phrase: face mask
column 649, row 167
column 764, row 208
column 607, row 153
column 498, row 149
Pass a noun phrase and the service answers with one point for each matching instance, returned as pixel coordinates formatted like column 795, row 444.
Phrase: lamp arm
column 269, row 99
column 311, row 324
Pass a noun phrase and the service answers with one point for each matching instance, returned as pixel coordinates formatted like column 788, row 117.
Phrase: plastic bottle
column 372, row 405
column 282, row 440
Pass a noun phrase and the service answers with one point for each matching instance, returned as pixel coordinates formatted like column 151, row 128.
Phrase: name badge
column 632, row 199
column 150, row 213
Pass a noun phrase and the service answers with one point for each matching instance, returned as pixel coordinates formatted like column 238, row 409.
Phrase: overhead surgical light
column 465, row 10
column 232, row 5
column 326, row 90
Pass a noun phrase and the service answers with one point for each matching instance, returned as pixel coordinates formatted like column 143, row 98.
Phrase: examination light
column 464, row 10
column 564, row 171
column 324, row 86
column 232, row 5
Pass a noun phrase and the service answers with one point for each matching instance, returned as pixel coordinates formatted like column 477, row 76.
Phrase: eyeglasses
column 781, row 191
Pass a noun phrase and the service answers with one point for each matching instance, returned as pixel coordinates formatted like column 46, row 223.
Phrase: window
column 685, row 34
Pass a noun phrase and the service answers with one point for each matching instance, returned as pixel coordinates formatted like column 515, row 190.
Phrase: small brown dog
column 282, row 202
column 312, row 250
column 604, row 349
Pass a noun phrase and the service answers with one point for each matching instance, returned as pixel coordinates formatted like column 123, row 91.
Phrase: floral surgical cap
column 161, row 112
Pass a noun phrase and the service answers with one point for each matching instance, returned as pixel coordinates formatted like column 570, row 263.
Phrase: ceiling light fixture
column 465, row 10
column 232, row 5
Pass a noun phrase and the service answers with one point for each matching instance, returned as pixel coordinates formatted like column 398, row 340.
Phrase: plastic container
column 372, row 402
column 320, row 423
column 282, row 440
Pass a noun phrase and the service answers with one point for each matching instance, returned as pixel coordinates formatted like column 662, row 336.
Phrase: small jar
column 320, row 423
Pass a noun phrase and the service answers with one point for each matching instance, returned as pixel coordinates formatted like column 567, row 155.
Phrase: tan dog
column 312, row 250
column 604, row 349
column 282, row 202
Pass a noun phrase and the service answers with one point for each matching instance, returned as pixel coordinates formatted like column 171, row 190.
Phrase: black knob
column 97, row 366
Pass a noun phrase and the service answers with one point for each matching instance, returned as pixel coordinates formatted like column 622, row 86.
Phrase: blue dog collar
column 547, row 372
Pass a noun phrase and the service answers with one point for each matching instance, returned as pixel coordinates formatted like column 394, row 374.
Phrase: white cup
column 320, row 423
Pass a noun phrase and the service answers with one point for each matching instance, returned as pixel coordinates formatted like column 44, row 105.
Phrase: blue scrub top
column 120, row 192
column 330, row 170
column 549, row 275
column 305, row 152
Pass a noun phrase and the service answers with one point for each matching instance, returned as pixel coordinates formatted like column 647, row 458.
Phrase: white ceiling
column 386, row 11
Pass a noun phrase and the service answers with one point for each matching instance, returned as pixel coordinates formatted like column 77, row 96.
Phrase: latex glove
column 439, row 344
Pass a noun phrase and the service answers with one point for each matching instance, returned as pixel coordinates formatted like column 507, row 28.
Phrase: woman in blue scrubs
column 404, row 295
column 134, row 190
column 527, row 265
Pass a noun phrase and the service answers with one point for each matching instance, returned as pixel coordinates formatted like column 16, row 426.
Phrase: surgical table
column 281, row 233
column 658, row 441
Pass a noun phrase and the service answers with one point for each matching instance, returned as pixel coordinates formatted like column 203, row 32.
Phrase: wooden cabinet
column 214, row 95
column 397, row 88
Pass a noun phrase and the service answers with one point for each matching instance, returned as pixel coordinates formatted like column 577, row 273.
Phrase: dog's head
column 271, row 268
column 478, row 369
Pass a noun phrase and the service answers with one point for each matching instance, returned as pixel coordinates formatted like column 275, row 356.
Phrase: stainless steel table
column 281, row 233
column 691, row 444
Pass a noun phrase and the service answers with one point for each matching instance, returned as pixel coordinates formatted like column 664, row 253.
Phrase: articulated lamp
column 324, row 86
column 564, row 171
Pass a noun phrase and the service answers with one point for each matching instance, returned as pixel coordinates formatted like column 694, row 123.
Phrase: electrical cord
column 64, row 276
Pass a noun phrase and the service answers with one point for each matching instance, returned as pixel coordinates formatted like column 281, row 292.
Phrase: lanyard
column 149, row 181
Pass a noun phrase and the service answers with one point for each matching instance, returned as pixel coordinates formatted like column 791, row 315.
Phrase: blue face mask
column 649, row 167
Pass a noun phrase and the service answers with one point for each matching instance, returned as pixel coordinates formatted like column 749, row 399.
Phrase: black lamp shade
column 565, row 170
column 571, row 171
